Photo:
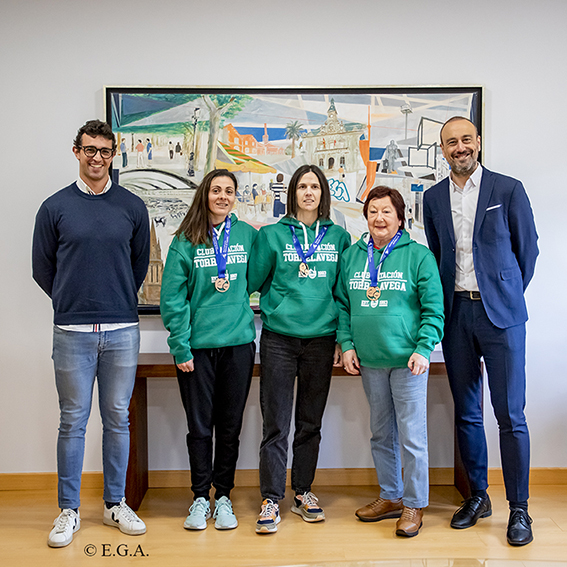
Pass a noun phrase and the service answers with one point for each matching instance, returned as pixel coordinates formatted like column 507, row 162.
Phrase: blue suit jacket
column 504, row 245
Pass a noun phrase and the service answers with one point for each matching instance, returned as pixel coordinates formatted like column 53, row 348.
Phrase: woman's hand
column 338, row 357
column 187, row 366
column 418, row 364
column 350, row 361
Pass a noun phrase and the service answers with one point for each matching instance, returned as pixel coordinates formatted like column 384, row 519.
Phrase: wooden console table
column 162, row 366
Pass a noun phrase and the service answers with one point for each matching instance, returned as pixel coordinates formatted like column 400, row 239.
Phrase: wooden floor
column 26, row 518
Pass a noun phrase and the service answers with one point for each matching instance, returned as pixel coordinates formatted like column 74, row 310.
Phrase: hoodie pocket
column 311, row 316
column 383, row 337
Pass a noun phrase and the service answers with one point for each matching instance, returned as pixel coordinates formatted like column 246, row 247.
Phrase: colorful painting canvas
column 169, row 138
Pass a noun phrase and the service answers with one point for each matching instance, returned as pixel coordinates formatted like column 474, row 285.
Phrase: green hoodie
column 194, row 313
column 408, row 315
column 296, row 306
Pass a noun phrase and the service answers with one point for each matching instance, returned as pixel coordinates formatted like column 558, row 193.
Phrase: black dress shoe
column 519, row 530
column 473, row 508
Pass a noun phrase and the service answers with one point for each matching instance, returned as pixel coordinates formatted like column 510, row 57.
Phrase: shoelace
column 269, row 509
column 310, row 500
column 378, row 502
column 519, row 515
column 224, row 507
column 199, row 506
column 127, row 512
column 469, row 502
column 408, row 513
column 62, row 521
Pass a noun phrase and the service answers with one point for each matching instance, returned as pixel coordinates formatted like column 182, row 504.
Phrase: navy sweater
column 91, row 253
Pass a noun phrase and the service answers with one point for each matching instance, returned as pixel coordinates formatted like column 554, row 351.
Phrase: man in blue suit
column 481, row 229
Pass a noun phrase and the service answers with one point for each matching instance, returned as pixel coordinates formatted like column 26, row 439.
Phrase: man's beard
column 467, row 169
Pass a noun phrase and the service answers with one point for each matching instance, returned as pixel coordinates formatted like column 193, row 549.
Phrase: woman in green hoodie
column 205, row 307
column 294, row 264
column 391, row 317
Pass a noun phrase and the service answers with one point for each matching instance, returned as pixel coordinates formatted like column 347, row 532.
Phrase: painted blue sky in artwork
column 274, row 134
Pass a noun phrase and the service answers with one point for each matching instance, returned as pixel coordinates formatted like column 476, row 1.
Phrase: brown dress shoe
column 410, row 522
column 380, row 509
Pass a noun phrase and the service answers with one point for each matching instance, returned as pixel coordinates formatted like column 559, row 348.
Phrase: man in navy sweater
column 90, row 256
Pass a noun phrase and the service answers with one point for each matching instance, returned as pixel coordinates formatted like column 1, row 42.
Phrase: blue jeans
column 398, row 421
column 283, row 358
column 111, row 357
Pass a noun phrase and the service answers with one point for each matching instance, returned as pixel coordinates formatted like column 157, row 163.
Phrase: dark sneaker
column 306, row 506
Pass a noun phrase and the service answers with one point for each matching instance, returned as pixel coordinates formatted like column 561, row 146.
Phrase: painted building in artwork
column 247, row 143
column 150, row 292
column 334, row 144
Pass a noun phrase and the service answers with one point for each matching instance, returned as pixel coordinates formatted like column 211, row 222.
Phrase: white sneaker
column 124, row 518
column 224, row 516
column 199, row 513
column 64, row 526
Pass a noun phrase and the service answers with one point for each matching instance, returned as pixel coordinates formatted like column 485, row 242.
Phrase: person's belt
column 474, row 295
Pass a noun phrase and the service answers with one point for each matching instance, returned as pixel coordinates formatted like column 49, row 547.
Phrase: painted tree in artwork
column 219, row 107
column 293, row 132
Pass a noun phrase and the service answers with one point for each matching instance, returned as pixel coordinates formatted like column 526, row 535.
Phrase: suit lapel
column 444, row 204
column 484, row 194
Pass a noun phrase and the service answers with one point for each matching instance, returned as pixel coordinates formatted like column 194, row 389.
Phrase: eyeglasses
column 91, row 151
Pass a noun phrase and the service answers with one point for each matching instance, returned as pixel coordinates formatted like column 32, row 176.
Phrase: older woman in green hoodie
column 294, row 264
column 206, row 309
column 391, row 317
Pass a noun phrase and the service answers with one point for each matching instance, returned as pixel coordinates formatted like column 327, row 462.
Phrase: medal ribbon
column 313, row 246
column 374, row 271
column 221, row 256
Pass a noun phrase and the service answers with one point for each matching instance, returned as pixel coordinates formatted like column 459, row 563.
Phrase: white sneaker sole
column 66, row 542
column 202, row 526
column 123, row 529
column 228, row 527
column 300, row 512
column 268, row 528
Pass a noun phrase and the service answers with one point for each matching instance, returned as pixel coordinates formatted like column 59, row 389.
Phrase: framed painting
column 170, row 137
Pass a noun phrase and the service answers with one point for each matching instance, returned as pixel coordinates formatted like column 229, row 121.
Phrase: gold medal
column 222, row 284
column 303, row 270
column 373, row 293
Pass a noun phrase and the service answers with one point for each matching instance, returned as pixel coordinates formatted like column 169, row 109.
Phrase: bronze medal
column 373, row 293
column 303, row 270
column 222, row 284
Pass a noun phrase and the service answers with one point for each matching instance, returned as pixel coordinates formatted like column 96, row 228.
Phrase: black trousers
column 283, row 358
column 214, row 396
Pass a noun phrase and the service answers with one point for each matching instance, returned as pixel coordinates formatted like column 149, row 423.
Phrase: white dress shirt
column 463, row 210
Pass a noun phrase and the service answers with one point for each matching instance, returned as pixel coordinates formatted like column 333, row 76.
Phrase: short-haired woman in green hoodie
column 294, row 264
column 391, row 317
column 205, row 307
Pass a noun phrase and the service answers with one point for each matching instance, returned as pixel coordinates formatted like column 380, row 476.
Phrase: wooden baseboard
column 249, row 477
column 323, row 477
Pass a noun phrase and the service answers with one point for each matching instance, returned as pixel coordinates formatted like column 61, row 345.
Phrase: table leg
column 137, row 474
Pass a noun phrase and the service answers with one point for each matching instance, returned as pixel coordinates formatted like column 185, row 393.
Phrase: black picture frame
column 356, row 134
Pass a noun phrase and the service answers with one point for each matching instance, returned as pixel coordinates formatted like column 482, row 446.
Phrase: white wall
column 55, row 58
